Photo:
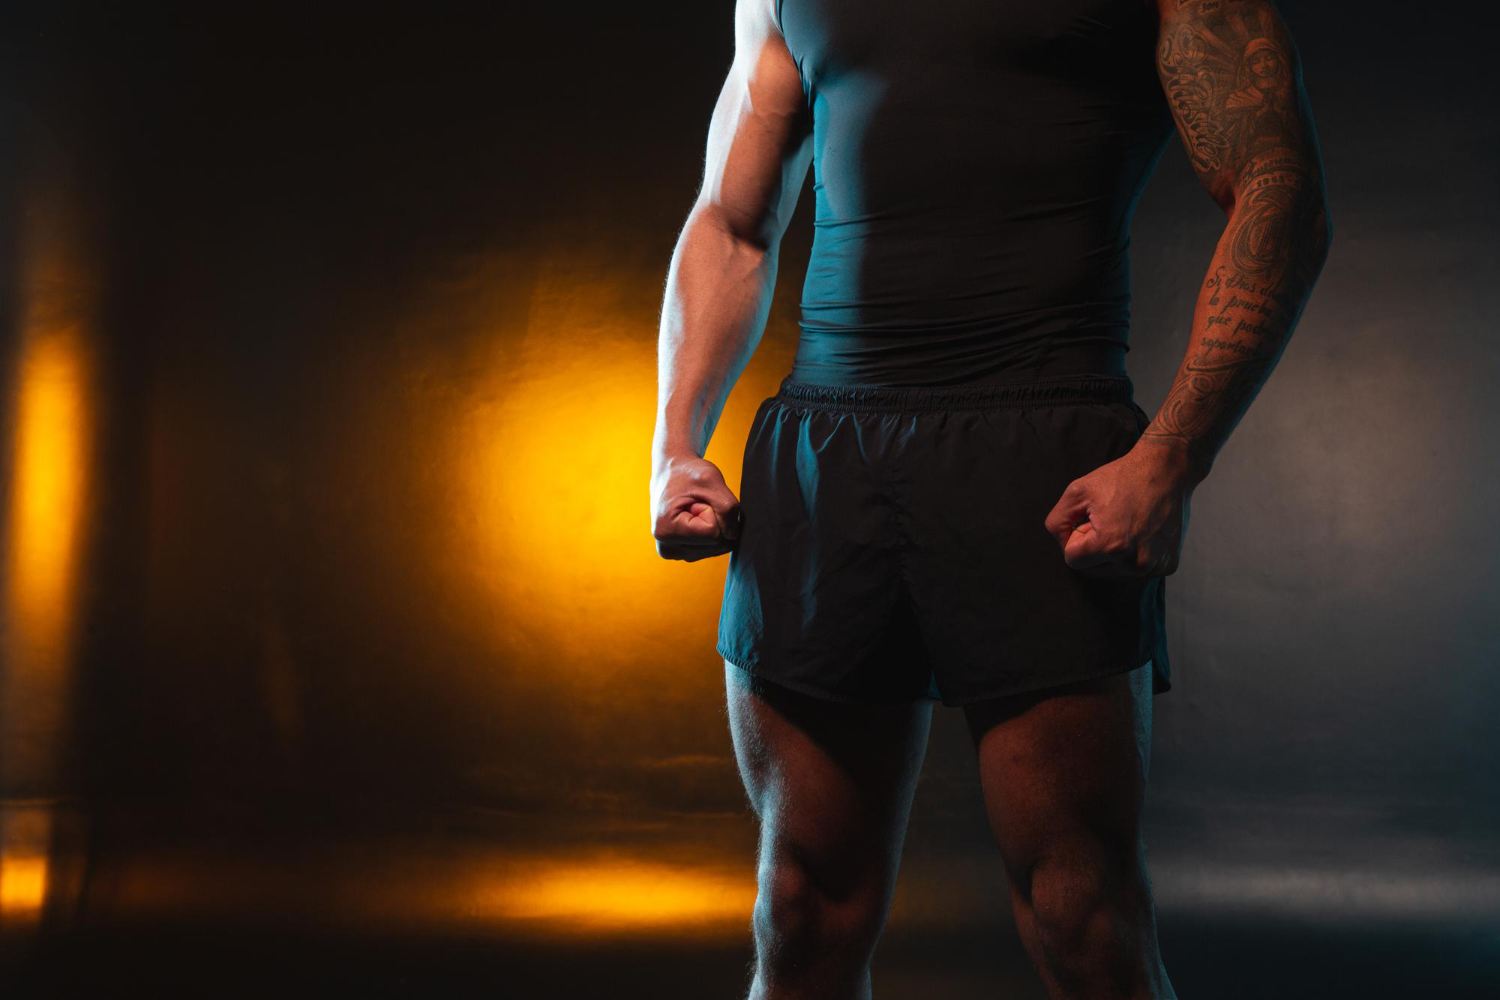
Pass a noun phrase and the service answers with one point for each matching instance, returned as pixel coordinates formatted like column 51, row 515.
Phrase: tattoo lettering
column 1229, row 345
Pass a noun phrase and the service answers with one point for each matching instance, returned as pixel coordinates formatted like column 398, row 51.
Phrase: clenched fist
column 694, row 514
column 1124, row 520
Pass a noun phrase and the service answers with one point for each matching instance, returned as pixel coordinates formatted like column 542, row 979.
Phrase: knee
column 787, row 913
column 1088, row 913
column 804, row 919
column 1066, row 899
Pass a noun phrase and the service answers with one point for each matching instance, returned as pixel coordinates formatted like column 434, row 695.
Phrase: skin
column 1234, row 84
column 721, row 279
column 1063, row 771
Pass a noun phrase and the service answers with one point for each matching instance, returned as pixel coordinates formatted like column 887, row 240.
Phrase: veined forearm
column 1261, row 276
column 719, row 289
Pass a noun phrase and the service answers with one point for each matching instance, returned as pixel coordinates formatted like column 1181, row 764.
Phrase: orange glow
column 23, row 885
column 47, row 409
column 562, row 491
column 48, row 413
column 581, row 897
column 25, row 834
column 534, row 895
column 48, row 490
column 558, row 473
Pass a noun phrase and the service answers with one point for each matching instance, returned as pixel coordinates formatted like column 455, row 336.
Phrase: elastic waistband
column 1057, row 391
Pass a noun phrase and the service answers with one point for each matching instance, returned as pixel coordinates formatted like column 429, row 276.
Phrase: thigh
column 832, row 783
column 1064, row 771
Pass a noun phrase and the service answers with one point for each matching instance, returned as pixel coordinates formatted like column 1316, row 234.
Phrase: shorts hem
column 812, row 690
column 1164, row 685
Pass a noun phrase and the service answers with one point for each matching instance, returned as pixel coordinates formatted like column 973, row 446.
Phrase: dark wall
column 363, row 309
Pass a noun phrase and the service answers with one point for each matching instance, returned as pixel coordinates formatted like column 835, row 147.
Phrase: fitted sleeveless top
column 975, row 167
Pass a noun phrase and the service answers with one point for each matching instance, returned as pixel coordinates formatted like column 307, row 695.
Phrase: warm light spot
column 47, row 495
column 616, row 894
column 25, row 836
column 23, row 885
column 46, row 410
column 559, row 470
column 564, row 498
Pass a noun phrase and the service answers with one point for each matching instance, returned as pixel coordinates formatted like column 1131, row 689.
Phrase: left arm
column 1233, row 80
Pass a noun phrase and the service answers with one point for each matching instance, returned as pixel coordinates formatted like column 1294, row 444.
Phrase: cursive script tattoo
column 1231, row 77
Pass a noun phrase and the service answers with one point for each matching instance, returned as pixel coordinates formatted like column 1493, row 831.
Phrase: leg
column 1064, row 777
column 832, row 785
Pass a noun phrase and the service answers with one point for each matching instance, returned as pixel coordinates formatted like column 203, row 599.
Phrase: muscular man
column 954, row 497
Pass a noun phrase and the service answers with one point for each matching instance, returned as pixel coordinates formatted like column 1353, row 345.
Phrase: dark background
column 336, row 652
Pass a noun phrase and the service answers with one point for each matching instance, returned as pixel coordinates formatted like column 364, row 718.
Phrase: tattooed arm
column 1234, row 82
column 1231, row 76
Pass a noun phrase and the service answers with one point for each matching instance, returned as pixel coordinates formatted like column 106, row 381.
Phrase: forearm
column 719, row 289
column 1258, row 282
column 1233, row 80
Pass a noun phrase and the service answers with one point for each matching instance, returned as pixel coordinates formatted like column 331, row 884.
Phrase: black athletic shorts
column 894, row 548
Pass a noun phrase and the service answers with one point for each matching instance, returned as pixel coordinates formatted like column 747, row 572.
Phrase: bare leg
column 832, row 785
column 1064, row 777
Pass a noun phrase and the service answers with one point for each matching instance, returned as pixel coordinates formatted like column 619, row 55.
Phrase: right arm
column 721, row 279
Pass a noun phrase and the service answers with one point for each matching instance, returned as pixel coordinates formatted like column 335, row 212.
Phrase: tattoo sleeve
column 1233, row 80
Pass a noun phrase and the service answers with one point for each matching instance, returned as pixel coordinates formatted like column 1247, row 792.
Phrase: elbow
column 1297, row 219
column 757, row 234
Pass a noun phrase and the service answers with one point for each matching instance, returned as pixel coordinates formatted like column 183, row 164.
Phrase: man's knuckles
column 1100, row 544
column 683, row 528
column 689, row 552
column 1101, row 549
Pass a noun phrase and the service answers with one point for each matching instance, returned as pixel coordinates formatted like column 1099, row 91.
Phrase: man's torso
column 975, row 166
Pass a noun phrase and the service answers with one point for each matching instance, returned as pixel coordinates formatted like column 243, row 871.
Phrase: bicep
column 1233, row 79
column 759, row 138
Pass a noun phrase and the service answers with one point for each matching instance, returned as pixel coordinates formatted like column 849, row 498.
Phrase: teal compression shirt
column 976, row 164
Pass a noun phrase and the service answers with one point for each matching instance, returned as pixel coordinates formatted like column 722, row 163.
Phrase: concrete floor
column 1208, row 960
